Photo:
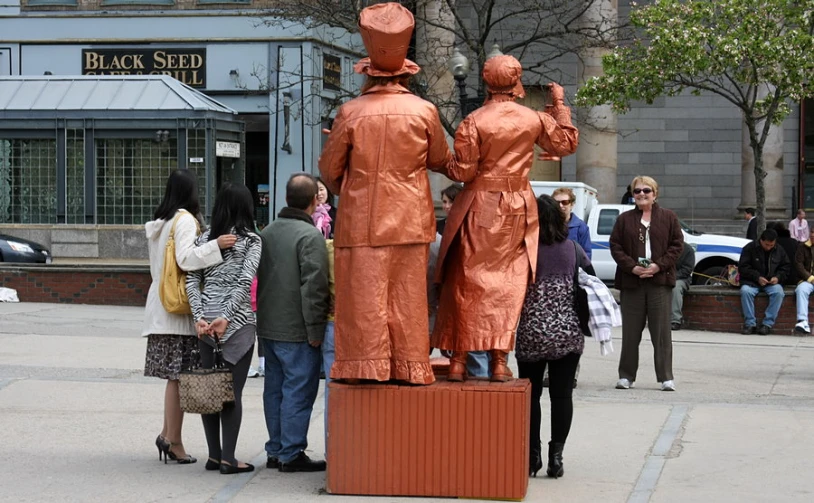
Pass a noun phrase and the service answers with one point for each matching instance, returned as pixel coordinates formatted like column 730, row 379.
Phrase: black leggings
column 560, row 390
column 232, row 413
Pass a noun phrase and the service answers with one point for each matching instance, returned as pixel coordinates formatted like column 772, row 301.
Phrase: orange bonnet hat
column 502, row 76
column 386, row 30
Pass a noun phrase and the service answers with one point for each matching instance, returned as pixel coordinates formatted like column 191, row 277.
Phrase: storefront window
column 131, row 175
column 75, row 176
column 28, row 176
column 196, row 151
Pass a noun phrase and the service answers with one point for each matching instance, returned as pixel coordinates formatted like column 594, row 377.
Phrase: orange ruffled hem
column 384, row 370
column 503, row 342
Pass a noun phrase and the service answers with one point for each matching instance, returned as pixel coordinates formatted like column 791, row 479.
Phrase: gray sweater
column 292, row 280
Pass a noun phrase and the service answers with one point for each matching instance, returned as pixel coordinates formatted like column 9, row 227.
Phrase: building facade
column 283, row 80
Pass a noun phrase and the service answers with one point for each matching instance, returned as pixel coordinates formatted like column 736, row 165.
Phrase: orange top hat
column 386, row 29
column 502, row 76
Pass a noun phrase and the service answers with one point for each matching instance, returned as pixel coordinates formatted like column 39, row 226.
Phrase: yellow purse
column 173, row 287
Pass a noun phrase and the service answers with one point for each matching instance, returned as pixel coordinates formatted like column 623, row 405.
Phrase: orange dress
column 489, row 248
column 376, row 158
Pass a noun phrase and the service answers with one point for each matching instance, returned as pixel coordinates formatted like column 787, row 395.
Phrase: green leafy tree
column 756, row 54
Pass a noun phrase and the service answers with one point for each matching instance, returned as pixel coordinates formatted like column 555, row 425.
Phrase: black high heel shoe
column 166, row 447
column 227, row 469
column 535, row 465
column 159, row 442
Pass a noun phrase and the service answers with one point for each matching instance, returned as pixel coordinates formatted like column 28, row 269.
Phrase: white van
column 713, row 252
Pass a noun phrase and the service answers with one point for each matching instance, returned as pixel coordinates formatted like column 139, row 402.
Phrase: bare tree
column 540, row 33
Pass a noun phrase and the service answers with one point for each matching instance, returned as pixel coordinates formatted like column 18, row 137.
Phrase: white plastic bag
column 8, row 295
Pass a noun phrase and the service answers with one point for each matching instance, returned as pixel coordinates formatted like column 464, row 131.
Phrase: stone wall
column 109, row 242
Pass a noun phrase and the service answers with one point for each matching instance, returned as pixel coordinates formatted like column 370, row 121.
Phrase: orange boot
column 457, row 366
column 498, row 366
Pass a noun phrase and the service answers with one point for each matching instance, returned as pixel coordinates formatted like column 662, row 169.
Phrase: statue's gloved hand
column 557, row 93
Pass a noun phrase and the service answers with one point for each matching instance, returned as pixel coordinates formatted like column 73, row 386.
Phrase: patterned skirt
column 167, row 354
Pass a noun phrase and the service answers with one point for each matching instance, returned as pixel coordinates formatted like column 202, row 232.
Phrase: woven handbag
column 172, row 290
column 205, row 391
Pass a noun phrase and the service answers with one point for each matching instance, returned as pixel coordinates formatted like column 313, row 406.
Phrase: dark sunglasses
column 646, row 190
column 563, row 203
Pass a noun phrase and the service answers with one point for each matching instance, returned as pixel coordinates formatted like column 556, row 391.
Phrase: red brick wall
column 719, row 309
column 120, row 286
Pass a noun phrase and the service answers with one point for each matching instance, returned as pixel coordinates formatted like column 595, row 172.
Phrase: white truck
column 712, row 252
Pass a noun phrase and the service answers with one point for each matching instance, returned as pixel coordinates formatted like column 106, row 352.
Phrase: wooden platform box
column 467, row 440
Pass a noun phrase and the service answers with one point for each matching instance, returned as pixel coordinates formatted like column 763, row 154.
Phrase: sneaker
column 253, row 372
column 668, row 386
column 749, row 330
column 302, row 463
column 272, row 462
column 802, row 327
column 764, row 330
column 625, row 384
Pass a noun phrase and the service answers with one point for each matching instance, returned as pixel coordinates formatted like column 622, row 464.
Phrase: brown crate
column 467, row 440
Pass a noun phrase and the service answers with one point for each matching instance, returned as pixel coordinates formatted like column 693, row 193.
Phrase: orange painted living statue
column 489, row 249
column 376, row 158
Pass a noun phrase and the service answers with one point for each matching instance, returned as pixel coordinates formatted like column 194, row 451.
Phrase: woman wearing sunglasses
column 645, row 243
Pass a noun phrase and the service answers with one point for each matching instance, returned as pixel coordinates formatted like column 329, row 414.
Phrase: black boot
column 535, row 460
column 555, row 468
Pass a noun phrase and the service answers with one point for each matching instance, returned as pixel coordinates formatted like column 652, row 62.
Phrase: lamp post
column 458, row 64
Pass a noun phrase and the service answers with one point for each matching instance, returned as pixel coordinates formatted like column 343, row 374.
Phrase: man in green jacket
column 292, row 310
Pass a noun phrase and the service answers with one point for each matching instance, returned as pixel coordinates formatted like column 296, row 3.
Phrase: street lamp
column 458, row 65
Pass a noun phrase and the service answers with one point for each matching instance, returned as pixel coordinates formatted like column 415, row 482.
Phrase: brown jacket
column 376, row 158
column 666, row 242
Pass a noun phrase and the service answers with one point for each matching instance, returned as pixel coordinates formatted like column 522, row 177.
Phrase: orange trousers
column 381, row 321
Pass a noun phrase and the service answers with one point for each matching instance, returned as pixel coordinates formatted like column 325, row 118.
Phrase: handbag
column 580, row 297
column 172, row 290
column 205, row 391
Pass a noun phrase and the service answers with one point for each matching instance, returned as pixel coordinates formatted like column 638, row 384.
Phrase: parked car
column 14, row 249
column 713, row 252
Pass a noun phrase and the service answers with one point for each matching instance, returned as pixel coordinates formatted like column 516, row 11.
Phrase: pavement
column 78, row 422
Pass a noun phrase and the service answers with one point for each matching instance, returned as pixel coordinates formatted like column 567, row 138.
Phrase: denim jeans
column 477, row 363
column 775, row 293
column 802, row 292
column 289, row 392
column 327, row 360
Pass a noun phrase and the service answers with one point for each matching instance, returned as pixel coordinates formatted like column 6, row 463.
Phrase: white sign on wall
column 227, row 149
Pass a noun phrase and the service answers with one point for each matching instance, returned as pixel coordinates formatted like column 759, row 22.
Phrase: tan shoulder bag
column 173, row 287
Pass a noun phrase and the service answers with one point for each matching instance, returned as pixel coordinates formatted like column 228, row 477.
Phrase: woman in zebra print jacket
column 221, row 307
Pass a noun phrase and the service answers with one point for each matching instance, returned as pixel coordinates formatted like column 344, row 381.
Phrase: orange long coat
column 376, row 159
column 489, row 248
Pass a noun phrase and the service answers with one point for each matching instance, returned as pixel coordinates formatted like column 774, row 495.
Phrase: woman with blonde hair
column 646, row 243
column 171, row 337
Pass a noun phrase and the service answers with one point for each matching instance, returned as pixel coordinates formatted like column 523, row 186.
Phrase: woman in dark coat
column 646, row 243
column 549, row 335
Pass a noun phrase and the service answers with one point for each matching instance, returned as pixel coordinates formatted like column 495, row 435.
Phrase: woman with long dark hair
column 221, row 306
column 171, row 337
column 549, row 335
